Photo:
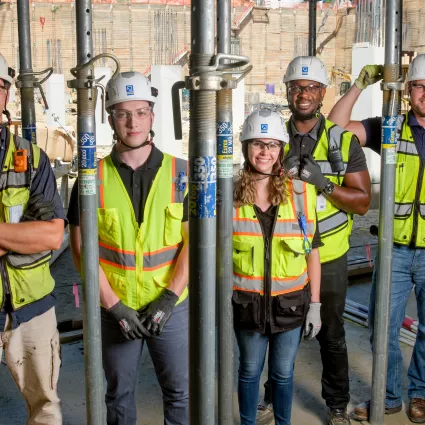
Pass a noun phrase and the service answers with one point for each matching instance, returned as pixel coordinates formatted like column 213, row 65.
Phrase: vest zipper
column 416, row 205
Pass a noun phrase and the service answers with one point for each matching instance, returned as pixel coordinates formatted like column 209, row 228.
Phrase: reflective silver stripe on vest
column 334, row 135
column 407, row 147
column 180, row 167
column 402, row 209
column 332, row 222
column 119, row 258
column 326, row 168
column 155, row 260
column 27, row 260
column 422, row 210
column 256, row 284
column 298, row 192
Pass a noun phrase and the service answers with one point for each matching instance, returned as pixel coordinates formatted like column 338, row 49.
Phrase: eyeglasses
column 311, row 88
column 258, row 145
column 123, row 115
column 418, row 88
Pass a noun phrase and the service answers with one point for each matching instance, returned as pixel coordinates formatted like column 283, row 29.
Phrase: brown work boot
column 362, row 411
column 416, row 411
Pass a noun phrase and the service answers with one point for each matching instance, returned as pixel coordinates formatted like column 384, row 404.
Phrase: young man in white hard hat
column 143, row 256
column 408, row 267
column 330, row 158
column 31, row 226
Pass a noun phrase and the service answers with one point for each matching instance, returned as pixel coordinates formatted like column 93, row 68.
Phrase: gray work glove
column 313, row 322
column 38, row 209
column 311, row 173
column 292, row 166
column 370, row 74
column 156, row 314
column 128, row 320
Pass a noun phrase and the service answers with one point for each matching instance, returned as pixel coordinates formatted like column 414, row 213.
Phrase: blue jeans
column 408, row 271
column 283, row 347
column 170, row 357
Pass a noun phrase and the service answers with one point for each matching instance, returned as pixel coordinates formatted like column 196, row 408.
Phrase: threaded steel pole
column 224, row 227
column 386, row 213
column 88, row 219
column 312, row 27
column 202, row 222
column 25, row 67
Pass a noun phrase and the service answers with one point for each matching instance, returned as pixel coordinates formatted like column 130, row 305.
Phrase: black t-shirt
column 44, row 183
column 302, row 144
column 137, row 182
column 373, row 128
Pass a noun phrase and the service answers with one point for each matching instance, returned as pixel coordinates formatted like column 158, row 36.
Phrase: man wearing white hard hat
column 323, row 154
column 408, row 267
column 143, row 256
column 31, row 226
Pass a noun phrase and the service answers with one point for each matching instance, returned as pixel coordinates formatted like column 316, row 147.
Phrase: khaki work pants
column 32, row 354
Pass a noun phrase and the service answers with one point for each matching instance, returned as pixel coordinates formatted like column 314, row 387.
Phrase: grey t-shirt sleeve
column 357, row 158
column 45, row 183
column 373, row 128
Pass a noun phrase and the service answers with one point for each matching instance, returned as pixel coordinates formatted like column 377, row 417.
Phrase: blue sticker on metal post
column 202, row 191
column 389, row 138
column 86, row 151
column 29, row 133
column 224, row 138
column 224, row 150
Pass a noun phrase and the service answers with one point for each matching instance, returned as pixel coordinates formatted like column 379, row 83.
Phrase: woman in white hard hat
column 276, row 266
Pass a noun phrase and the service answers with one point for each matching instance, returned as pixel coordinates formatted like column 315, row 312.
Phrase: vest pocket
column 173, row 223
column 243, row 257
column 14, row 201
column 246, row 310
column 290, row 309
column 288, row 259
column 108, row 225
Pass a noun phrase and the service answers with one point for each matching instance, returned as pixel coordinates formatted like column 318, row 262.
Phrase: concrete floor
column 308, row 407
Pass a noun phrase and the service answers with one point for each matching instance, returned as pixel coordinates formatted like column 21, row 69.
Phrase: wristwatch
column 329, row 188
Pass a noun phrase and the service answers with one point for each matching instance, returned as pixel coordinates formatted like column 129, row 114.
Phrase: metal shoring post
column 86, row 103
column 224, row 227
column 312, row 27
column 202, row 222
column 391, row 96
column 27, row 88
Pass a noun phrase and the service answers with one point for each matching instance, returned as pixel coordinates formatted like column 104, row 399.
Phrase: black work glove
column 39, row 210
column 311, row 173
column 292, row 165
column 156, row 314
column 128, row 320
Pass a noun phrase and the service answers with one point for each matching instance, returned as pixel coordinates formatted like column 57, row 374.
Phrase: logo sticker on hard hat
column 304, row 70
column 130, row 90
column 264, row 128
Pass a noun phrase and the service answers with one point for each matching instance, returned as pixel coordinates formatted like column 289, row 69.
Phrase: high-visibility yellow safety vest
column 26, row 277
column 139, row 261
column 288, row 258
column 409, row 210
column 334, row 224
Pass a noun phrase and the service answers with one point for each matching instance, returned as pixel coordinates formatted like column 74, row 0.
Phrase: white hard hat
column 129, row 86
column 416, row 69
column 306, row 68
column 4, row 70
column 264, row 124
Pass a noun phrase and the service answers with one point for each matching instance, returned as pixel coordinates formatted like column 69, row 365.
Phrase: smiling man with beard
column 330, row 158
column 408, row 267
